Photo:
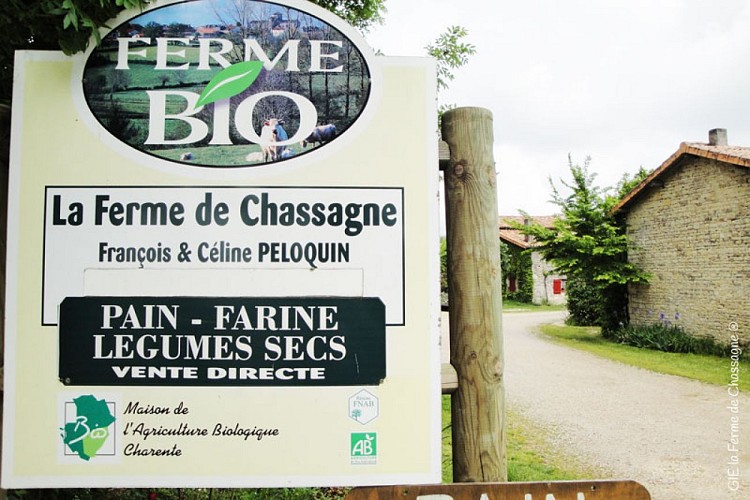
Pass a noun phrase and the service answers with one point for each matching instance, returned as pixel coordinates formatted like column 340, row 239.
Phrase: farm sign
column 263, row 74
column 222, row 256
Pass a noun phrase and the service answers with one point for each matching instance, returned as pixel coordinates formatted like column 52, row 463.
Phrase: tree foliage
column 451, row 52
column 444, row 266
column 361, row 14
column 69, row 25
column 589, row 245
column 516, row 263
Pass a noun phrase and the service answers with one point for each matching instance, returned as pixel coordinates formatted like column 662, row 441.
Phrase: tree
column 589, row 245
column 361, row 14
column 178, row 29
column 451, row 53
column 69, row 25
column 153, row 30
column 627, row 184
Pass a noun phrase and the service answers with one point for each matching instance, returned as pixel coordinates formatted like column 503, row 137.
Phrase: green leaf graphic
column 230, row 81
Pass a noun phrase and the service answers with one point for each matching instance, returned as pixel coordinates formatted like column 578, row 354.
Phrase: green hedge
column 668, row 338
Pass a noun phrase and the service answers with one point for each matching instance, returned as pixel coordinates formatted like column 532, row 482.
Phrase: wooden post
column 475, row 295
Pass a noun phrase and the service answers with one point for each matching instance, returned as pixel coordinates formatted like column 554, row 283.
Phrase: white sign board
column 222, row 257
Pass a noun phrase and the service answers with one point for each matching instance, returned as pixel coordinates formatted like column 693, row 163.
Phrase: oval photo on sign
column 226, row 83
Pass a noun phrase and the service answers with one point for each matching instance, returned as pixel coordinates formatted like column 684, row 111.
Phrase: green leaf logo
column 230, row 81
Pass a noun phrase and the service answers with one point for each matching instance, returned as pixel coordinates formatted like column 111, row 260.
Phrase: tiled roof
column 544, row 220
column 736, row 155
column 514, row 236
column 733, row 155
column 207, row 30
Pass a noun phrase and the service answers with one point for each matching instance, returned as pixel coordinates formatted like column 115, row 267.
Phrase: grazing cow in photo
column 268, row 138
column 321, row 134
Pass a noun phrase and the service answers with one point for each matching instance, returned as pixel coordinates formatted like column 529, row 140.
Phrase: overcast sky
column 622, row 81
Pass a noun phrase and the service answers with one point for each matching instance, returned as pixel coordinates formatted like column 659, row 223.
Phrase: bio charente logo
column 87, row 427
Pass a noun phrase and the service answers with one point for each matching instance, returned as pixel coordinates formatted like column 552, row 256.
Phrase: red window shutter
column 557, row 287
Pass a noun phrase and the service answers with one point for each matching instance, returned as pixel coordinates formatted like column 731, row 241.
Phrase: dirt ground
column 672, row 435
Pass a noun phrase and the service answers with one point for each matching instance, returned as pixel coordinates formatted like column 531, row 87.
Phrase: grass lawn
column 532, row 458
column 182, row 494
column 530, row 455
column 513, row 306
column 709, row 369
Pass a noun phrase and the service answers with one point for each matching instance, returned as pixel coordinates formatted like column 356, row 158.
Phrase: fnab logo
column 363, row 407
column 88, row 427
column 222, row 83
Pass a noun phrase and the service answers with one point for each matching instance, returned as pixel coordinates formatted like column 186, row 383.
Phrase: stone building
column 689, row 225
column 548, row 287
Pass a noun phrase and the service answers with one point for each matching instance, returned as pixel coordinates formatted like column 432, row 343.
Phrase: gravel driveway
column 668, row 433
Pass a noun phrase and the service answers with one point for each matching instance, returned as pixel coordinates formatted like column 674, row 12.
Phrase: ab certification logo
column 364, row 448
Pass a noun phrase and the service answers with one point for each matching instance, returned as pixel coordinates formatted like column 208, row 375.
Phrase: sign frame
column 134, row 436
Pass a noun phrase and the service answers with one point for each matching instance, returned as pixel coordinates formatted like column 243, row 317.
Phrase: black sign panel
column 222, row 341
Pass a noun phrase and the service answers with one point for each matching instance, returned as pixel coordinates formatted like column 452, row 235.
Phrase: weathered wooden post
column 475, row 291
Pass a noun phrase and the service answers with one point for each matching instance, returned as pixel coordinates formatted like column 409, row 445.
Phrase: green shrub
column 667, row 338
column 584, row 302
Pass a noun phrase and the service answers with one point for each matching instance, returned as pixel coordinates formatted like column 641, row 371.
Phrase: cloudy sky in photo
column 621, row 81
